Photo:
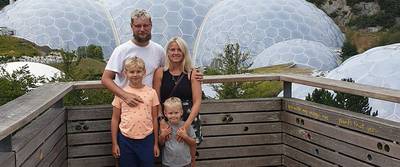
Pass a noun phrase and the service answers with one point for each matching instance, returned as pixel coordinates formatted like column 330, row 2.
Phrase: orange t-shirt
column 137, row 122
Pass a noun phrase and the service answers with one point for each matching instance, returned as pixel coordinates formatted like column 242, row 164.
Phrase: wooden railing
column 300, row 122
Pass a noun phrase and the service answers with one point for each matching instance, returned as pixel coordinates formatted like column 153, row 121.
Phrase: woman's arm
column 186, row 138
column 196, row 97
column 115, row 119
column 158, row 74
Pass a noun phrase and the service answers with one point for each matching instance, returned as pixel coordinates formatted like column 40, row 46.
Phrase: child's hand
column 156, row 150
column 181, row 133
column 115, row 151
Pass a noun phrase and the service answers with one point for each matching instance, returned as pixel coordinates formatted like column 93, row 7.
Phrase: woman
column 176, row 79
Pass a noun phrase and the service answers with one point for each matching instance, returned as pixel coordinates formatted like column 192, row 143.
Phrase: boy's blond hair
column 134, row 62
column 173, row 103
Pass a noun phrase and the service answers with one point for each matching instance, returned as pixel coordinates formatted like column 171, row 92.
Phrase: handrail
column 24, row 109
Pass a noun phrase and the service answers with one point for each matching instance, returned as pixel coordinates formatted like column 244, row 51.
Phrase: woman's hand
column 115, row 151
column 165, row 133
column 181, row 134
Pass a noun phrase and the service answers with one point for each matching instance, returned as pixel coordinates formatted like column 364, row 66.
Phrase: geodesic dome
column 377, row 67
column 36, row 69
column 300, row 52
column 257, row 24
column 59, row 24
column 169, row 17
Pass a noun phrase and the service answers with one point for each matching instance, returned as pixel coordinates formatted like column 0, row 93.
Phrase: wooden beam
column 24, row 109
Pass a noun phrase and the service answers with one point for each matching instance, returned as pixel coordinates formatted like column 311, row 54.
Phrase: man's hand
column 132, row 99
column 198, row 74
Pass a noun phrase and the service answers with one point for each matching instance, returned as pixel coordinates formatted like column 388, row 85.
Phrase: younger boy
column 175, row 154
column 134, row 130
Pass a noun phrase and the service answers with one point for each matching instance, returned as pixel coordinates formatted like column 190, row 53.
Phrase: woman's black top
column 182, row 91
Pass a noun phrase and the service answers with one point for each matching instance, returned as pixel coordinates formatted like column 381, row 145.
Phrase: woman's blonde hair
column 187, row 62
column 134, row 62
column 174, row 103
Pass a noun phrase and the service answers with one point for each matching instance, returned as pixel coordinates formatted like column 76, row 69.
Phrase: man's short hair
column 138, row 13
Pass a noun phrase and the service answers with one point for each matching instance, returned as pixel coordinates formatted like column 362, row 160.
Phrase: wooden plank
column 243, row 140
column 89, row 138
column 21, row 138
column 7, row 159
column 43, row 151
column 92, row 161
column 386, row 94
column 89, row 150
column 323, row 153
column 305, row 158
column 19, row 112
column 289, row 162
column 341, row 147
column 240, row 105
column 240, row 78
column 242, row 151
column 105, row 137
column 89, row 126
column 241, row 162
column 345, row 135
column 248, row 117
column 359, row 122
column 234, row 129
column 55, row 152
column 89, row 112
column 35, row 141
column 61, row 159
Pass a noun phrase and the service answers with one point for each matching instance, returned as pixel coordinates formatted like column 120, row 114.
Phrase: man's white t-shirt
column 153, row 56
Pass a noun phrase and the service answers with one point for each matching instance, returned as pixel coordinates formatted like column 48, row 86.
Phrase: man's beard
column 140, row 39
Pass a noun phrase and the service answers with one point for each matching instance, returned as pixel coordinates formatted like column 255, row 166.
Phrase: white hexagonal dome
column 378, row 67
column 300, row 52
column 36, row 69
column 58, row 24
column 170, row 18
column 258, row 24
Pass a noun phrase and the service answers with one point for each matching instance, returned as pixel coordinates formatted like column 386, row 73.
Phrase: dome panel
column 59, row 15
column 169, row 17
column 300, row 52
column 281, row 20
column 377, row 67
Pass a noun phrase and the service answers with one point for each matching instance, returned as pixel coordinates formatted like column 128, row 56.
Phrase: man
column 140, row 46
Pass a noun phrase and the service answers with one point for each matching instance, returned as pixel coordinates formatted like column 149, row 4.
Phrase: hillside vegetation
column 16, row 47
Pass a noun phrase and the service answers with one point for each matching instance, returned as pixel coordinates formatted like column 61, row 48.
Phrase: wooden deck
column 36, row 130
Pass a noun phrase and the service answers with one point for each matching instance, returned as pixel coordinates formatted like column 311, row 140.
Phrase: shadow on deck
column 36, row 130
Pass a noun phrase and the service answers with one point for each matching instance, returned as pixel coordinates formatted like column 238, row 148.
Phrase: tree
column 17, row 83
column 91, row 51
column 348, row 50
column 231, row 61
column 341, row 100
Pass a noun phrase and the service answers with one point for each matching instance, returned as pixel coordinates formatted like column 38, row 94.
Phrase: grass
column 87, row 69
column 16, row 47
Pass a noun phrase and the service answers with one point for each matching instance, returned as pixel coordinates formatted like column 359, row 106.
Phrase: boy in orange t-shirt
column 134, row 130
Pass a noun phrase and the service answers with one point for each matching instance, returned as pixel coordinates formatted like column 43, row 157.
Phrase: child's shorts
column 136, row 152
